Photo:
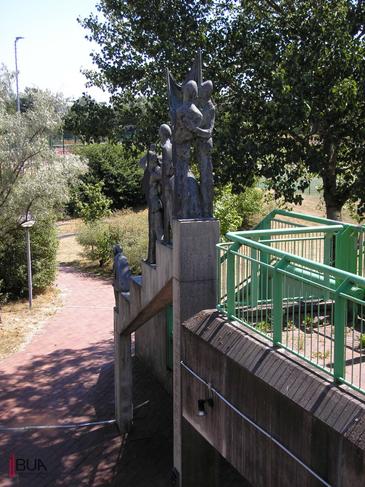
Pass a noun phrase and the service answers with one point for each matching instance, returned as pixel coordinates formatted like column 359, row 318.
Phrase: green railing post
column 254, row 279
column 219, row 276
column 327, row 246
column 265, row 259
column 340, row 324
column 327, row 250
column 231, row 295
column 278, row 301
column 346, row 249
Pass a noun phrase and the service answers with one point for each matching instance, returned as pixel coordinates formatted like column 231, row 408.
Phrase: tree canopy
column 34, row 180
column 289, row 83
column 92, row 121
column 100, row 122
column 119, row 175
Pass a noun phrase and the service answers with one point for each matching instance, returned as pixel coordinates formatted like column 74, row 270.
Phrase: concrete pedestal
column 194, row 289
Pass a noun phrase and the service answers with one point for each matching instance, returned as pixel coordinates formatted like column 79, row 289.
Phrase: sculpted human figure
column 188, row 117
column 167, row 170
column 204, row 146
column 121, row 272
column 151, row 185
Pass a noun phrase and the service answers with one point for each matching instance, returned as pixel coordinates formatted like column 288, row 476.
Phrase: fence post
column 254, row 278
column 278, row 301
column 231, row 280
column 346, row 249
column 340, row 323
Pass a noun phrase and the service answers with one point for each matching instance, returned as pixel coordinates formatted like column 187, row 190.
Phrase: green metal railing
column 345, row 252
column 296, row 286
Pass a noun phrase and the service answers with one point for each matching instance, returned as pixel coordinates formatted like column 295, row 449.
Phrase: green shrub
column 99, row 239
column 13, row 260
column 237, row 211
column 95, row 205
column 127, row 228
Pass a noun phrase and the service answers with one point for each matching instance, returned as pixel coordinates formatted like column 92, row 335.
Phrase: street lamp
column 27, row 224
column 16, row 75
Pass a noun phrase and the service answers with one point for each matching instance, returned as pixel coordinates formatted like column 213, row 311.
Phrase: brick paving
column 65, row 376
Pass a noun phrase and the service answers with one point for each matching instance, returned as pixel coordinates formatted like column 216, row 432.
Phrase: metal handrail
column 256, row 280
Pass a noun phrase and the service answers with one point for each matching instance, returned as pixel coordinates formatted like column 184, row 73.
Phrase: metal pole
column 29, row 271
column 16, row 75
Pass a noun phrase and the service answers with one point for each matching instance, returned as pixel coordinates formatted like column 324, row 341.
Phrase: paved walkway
column 65, row 378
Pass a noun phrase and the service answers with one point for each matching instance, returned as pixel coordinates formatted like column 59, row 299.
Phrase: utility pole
column 16, row 75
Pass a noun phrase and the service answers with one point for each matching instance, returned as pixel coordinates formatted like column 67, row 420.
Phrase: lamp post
column 27, row 224
column 16, row 75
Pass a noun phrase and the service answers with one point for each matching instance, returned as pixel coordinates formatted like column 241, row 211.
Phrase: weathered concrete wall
column 194, row 288
column 322, row 424
column 151, row 338
column 151, row 349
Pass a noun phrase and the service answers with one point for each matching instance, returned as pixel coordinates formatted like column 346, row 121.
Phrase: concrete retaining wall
column 151, row 338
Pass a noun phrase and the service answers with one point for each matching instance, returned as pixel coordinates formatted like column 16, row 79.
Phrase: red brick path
column 66, row 376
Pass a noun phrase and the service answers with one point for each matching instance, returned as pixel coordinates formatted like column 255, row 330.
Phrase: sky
column 54, row 48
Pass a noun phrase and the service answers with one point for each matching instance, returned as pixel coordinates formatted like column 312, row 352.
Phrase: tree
column 138, row 42
column 34, row 180
column 288, row 75
column 100, row 122
column 92, row 121
column 119, row 173
column 300, row 106
column 35, row 183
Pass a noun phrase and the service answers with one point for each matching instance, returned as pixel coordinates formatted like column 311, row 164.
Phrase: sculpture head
column 117, row 249
column 190, row 91
column 206, row 90
column 164, row 132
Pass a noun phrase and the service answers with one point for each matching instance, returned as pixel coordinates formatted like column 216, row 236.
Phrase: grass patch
column 19, row 322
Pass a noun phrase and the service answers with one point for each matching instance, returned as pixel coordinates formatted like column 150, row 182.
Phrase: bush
column 96, row 205
column 13, row 260
column 121, row 175
column 127, row 228
column 99, row 239
column 237, row 211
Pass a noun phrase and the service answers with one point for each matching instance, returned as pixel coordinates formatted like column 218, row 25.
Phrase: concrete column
column 194, row 289
column 122, row 377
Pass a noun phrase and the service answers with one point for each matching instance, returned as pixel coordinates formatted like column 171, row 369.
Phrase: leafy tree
column 120, row 174
column 92, row 121
column 34, row 180
column 288, row 75
column 138, row 42
column 7, row 96
column 300, row 106
column 100, row 122
column 34, row 184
